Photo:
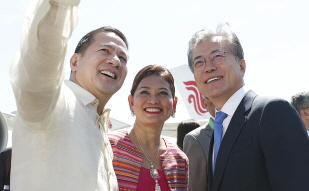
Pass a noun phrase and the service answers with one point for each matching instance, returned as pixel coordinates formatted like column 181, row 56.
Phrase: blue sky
column 274, row 35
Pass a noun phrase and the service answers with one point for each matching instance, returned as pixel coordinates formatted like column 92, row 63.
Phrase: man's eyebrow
column 108, row 45
column 113, row 48
column 214, row 51
column 197, row 57
column 123, row 53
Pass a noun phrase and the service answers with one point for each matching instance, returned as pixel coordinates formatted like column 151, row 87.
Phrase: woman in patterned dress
column 144, row 161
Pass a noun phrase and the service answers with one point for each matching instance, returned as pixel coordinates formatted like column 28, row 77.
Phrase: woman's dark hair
column 153, row 70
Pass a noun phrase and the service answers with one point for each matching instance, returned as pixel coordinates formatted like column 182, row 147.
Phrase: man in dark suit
column 196, row 146
column 300, row 102
column 5, row 168
column 264, row 143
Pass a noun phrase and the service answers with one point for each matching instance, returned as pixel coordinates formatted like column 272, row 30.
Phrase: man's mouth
column 213, row 79
column 108, row 74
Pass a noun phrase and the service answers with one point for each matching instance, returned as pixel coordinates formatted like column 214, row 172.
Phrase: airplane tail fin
column 189, row 93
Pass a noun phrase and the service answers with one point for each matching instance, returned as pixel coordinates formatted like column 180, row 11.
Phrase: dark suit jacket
column 265, row 148
column 3, row 162
column 196, row 146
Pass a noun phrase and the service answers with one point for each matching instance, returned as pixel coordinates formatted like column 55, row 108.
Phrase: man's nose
column 209, row 67
column 114, row 60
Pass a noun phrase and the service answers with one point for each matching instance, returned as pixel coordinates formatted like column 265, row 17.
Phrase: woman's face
column 153, row 101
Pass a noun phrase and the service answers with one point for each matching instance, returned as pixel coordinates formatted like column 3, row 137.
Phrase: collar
column 87, row 98
column 104, row 120
column 232, row 103
column 211, row 122
column 83, row 95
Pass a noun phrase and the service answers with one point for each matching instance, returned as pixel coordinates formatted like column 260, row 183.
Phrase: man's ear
column 242, row 64
column 73, row 62
column 204, row 102
column 131, row 104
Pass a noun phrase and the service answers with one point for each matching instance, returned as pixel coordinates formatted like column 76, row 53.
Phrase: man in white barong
column 59, row 139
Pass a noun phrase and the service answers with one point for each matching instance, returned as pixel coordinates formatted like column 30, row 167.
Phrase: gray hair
column 224, row 31
column 300, row 100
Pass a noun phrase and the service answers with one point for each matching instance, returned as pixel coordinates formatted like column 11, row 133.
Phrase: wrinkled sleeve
column 38, row 70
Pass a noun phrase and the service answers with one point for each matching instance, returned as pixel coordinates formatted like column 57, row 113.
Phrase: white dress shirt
column 59, row 140
column 229, row 108
column 231, row 105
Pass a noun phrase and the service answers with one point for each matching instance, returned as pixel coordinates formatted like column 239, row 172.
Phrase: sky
column 274, row 35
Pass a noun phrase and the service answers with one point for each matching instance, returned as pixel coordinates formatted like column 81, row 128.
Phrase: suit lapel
column 207, row 133
column 210, row 172
column 237, row 122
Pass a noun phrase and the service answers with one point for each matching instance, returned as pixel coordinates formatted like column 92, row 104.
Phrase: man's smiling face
column 102, row 69
column 218, row 82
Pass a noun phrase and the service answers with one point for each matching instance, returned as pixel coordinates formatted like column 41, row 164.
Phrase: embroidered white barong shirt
column 59, row 140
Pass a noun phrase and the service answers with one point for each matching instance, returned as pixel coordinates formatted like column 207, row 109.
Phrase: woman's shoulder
column 118, row 135
column 121, row 142
column 173, row 150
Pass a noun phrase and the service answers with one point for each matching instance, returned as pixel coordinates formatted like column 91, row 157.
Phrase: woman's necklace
column 153, row 172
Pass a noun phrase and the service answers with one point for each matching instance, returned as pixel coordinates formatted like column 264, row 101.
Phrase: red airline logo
column 195, row 98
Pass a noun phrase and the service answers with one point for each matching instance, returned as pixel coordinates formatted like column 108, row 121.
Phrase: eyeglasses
column 214, row 58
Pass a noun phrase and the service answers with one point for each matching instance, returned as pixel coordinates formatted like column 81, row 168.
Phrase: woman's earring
column 173, row 114
column 132, row 113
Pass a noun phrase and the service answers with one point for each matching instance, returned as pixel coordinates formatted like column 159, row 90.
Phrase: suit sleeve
column 197, row 163
column 2, row 170
column 285, row 146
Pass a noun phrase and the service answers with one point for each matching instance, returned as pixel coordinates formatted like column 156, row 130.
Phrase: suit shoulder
column 273, row 110
column 269, row 100
column 199, row 130
column 5, row 153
